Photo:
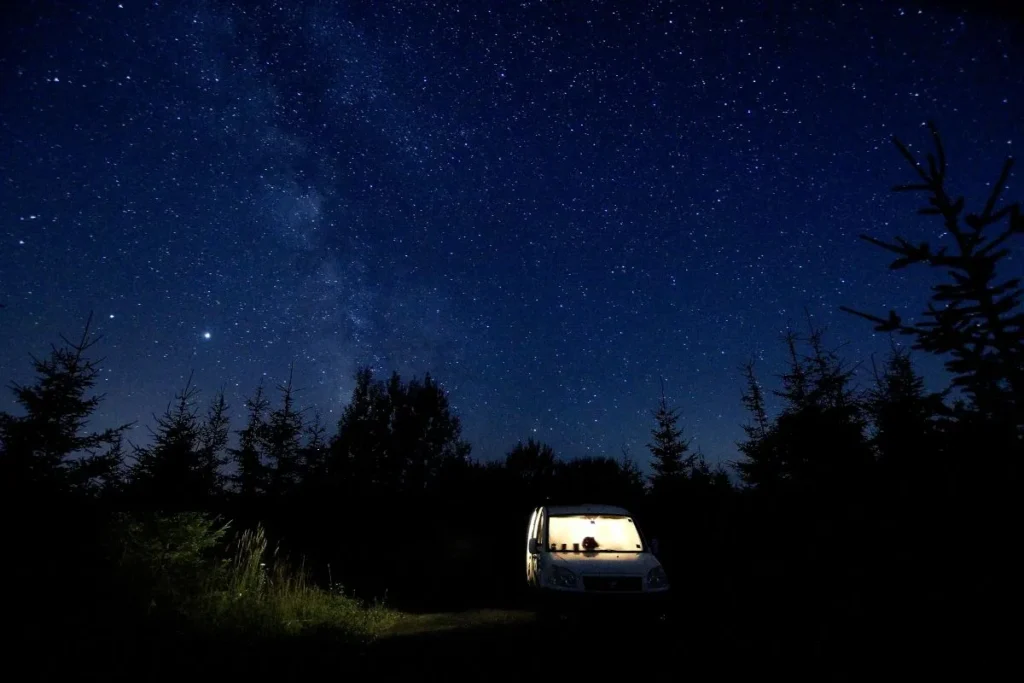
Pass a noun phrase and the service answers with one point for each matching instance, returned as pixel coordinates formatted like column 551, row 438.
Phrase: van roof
column 558, row 510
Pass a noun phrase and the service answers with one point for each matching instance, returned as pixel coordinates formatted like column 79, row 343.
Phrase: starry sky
column 548, row 204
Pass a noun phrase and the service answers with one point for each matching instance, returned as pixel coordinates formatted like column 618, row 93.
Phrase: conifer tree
column 818, row 440
column 47, row 449
column 631, row 473
column 906, row 419
column 181, row 468
column 250, row 478
column 761, row 463
column 974, row 318
column 670, row 461
column 283, row 440
column 314, row 454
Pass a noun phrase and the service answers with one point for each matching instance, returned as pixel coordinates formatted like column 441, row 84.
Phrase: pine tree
column 314, row 454
column 974, row 319
column 761, row 463
column 669, row 459
column 818, row 440
column 251, row 476
column 905, row 417
column 704, row 476
column 178, row 470
column 532, row 466
column 213, row 438
column 632, row 474
column 753, row 401
column 283, row 439
column 46, row 450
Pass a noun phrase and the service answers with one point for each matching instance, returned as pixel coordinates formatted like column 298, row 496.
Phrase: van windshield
column 593, row 533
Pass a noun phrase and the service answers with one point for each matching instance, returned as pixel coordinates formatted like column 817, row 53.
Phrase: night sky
column 549, row 205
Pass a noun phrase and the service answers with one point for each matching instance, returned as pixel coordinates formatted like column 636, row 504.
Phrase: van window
column 610, row 533
column 540, row 529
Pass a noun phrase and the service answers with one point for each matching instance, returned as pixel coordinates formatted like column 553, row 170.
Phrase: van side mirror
column 655, row 546
column 533, row 546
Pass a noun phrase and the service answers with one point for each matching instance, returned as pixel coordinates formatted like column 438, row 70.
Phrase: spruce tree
column 632, row 475
column 250, row 478
column 179, row 470
column 46, row 449
column 283, row 441
column 818, row 440
column 213, row 438
column 906, row 419
column 314, row 454
column 974, row 318
column 761, row 463
column 669, row 460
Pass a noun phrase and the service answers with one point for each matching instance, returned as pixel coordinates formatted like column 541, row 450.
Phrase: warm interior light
column 613, row 533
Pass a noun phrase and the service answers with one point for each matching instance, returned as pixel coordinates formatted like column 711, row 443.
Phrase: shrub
column 176, row 566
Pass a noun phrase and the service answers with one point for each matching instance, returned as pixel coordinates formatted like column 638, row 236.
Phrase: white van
column 590, row 549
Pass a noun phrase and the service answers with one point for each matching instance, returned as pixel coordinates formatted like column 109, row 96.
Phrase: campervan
column 590, row 549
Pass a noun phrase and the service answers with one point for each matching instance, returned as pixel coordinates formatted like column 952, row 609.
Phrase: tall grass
column 179, row 565
column 258, row 592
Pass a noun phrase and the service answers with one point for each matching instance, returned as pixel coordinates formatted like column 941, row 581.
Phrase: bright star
column 206, row 335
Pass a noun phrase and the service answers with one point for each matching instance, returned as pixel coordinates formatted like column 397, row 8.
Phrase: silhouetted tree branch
column 973, row 317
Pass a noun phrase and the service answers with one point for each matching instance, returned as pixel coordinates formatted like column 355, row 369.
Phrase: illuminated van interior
column 607, row 533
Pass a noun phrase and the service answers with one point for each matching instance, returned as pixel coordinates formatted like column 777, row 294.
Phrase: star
column 601, row 203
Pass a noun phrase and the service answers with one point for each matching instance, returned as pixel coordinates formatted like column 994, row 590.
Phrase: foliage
column 283, row 441
column 46, row 450
column 168, row 560
column 313, row 455
column 251, row 472
column 974, row 317
column 260, row 594
column 905, row 417
column 177, row 565
column 583, row 480
column 818, row 441
column 181, row 468
column 669, row 460
column 532, row 464
column 397, row 436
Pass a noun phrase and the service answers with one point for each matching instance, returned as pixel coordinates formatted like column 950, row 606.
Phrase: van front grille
column 613, row 584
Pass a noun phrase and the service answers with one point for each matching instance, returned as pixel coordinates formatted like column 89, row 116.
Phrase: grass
column 247, row 592
column 257, row 593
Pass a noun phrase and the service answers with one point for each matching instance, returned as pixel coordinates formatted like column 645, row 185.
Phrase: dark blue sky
column 548, row 205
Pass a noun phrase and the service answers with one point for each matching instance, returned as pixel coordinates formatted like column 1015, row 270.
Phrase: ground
column 503, row 642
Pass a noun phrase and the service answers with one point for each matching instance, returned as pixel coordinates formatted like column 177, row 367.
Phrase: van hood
column 621, row 564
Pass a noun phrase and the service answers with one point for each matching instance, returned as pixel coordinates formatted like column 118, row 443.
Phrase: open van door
column 531, row 548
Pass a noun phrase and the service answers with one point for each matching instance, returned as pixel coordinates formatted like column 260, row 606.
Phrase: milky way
column 550, row 206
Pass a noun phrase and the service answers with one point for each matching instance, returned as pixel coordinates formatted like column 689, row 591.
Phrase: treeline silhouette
column 864, row 518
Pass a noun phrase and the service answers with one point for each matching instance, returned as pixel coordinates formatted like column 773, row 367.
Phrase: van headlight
column 657, row 578
column 562, row 577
